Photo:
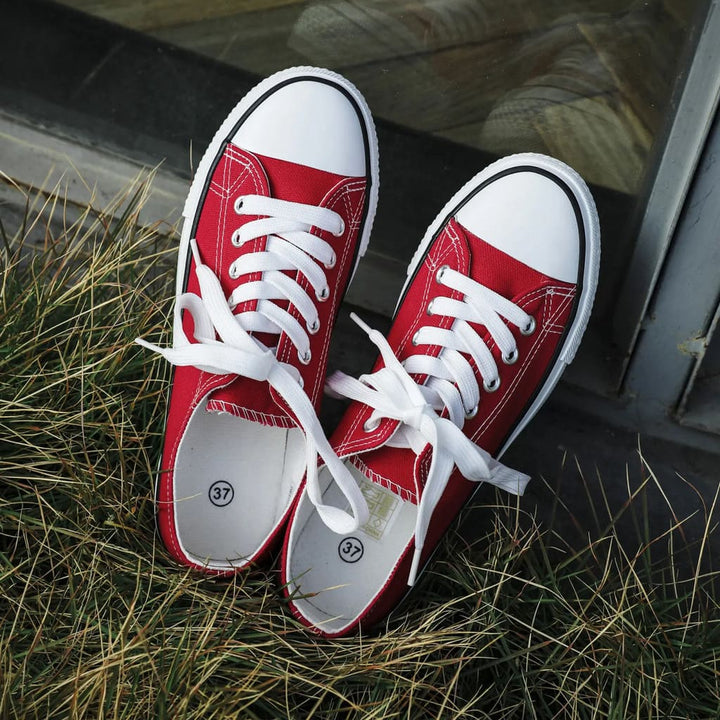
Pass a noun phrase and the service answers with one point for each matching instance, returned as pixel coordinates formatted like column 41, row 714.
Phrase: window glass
column 587, row 81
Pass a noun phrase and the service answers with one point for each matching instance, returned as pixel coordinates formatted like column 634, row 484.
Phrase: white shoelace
column 290, row 246
column 451, row 383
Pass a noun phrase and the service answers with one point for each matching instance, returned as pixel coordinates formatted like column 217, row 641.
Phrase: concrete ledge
column 37, row 160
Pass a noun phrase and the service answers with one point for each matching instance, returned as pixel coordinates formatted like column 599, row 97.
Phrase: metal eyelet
column 235, row 239
column 414, row 340
column 238, row 205
column 324, row 294
column 429, row 310
column 305, row 357
column 512, row 358
column 233, row 272
column 492, row 386
column 332, row 262
column 314, row 326
column 440, row 273
column 529, row 329
column 371, row 425
column 470, row 414
column 342, row 229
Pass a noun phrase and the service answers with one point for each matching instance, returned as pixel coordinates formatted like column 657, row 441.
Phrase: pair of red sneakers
column 496, row 301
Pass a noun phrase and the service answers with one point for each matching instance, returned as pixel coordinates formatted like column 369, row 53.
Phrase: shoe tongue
column 297, row 183
column 497, row 270
column 247, row 398
column 392, row 467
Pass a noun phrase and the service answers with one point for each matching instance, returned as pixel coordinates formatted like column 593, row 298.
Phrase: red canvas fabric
column 238, row 173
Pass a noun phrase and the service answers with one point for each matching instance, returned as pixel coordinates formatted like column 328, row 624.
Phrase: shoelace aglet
column 363, row 325
column 195, row 252
column 375, row 335
column 380, row 342
column 415, row 567
column 147, row 345
column 328, row 385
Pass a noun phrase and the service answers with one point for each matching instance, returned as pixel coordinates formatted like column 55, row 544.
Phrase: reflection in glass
column 587, row 81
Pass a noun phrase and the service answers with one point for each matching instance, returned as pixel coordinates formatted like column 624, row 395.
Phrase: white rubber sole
column 591, row 266
column 223, row 135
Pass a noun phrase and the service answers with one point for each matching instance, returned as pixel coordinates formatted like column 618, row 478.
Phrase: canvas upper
column 277, row 218
column 526, row 230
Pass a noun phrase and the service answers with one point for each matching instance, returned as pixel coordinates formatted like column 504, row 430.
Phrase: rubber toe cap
column 530, row 217
column 308, row 122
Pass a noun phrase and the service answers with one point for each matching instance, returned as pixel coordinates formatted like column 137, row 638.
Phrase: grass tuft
column 559, row 619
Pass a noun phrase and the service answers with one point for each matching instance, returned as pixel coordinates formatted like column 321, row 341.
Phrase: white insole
column 340, row 575
column 234, row 481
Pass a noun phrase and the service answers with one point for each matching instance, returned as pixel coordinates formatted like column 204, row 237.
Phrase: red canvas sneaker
column 496, row 302
column 278, row 215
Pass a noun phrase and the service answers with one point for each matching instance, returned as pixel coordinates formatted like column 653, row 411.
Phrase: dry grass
column 97, row 622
